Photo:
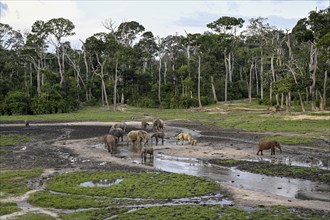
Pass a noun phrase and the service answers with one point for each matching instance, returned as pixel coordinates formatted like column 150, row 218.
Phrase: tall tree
column 60, row 28
column 313, row 30
column 228, row 27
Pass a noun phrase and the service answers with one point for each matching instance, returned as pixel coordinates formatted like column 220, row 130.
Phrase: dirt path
column 73, row 146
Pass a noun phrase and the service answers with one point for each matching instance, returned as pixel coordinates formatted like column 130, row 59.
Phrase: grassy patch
column 326, row 113
column 134, row 185
column 218, row 212
column 267, row 168
column 34, row 216
column 13, row 139
column 14, row 182
column 63, row 201
column 68, row 201
column 289, row 139
column 98, row 214
column 8, row 208
column 237, row 115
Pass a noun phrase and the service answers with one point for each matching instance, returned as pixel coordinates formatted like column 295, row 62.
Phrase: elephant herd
column 141, row 137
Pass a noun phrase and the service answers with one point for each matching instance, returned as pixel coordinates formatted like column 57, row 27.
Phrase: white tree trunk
column 250, row 82
column 213, row 90
column 199, row 81
column 115, row 87
column 159, row 79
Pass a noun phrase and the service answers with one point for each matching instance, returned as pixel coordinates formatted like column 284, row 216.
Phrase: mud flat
column 66, row 147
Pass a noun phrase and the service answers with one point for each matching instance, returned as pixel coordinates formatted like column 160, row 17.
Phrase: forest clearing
column 221, row 175
column 232, row 122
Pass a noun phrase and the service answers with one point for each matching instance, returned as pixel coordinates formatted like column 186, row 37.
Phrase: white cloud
column 22, row 14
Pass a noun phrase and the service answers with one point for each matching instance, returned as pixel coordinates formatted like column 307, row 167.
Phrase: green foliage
column 16, row 102
column 23, row 64
column 284, row 85
column 14, row 182
column 13, row 139
column 8, row 208
column 144, row 102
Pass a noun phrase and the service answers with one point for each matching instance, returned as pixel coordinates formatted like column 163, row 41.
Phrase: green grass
column 84, row 114
column 13, row 139
column 68, row 201
column 8, row 208
column 234, row 118
column 219, row 212
column 34, row 216
column 134, row 185
column 146, row 186
column 98, row 214
column 14, row 182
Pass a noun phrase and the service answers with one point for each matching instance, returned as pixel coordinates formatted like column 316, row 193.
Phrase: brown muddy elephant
column 157, row 125
column 145, row 151
column 156, row 135
column 121, row 125
column 266, row 145
column 110, row 143
column 118, row 133
column 185, row 136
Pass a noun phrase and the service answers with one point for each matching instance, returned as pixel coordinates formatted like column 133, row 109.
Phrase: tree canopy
column 127, row 64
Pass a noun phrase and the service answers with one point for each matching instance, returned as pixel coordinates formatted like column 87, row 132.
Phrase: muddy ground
column 68, row 146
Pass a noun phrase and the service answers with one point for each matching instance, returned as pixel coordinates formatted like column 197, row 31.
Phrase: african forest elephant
column 185, row 136
column 158, row 134
column 118, row 133
column 110, row 143
column 157, row 125
column 265, row 145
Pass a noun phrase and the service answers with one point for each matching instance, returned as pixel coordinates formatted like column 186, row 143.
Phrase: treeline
column 127, row 64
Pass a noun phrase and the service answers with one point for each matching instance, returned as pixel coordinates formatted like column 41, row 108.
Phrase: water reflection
column 288, row 187
column 301, row 162
column 101, row 183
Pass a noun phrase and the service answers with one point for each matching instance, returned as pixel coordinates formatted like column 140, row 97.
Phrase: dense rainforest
column 40, row 73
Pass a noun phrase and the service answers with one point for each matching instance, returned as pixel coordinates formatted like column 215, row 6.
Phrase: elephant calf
column 185, row 136
column 137, row 135
column 110, row 143
column 144, row 124
column 145, row 151
column 118, row 133
column 265, row 145
column 157, row 125
column 121, row 125
column 157, row 135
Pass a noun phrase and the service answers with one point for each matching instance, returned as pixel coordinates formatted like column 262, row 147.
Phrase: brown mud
column 69, row 146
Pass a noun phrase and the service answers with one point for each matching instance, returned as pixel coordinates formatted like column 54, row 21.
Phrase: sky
column 162, row 18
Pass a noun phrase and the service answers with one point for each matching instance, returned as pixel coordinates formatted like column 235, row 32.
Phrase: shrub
column 16, row 102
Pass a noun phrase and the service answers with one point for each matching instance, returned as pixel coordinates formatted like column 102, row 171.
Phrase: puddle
column 101, row 183
column 288, row 187
column 301, row 162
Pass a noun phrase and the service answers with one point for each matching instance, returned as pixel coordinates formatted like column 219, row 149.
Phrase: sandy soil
column 69, row 146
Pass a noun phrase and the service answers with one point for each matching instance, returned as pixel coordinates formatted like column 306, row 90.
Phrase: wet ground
column 68, row 146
